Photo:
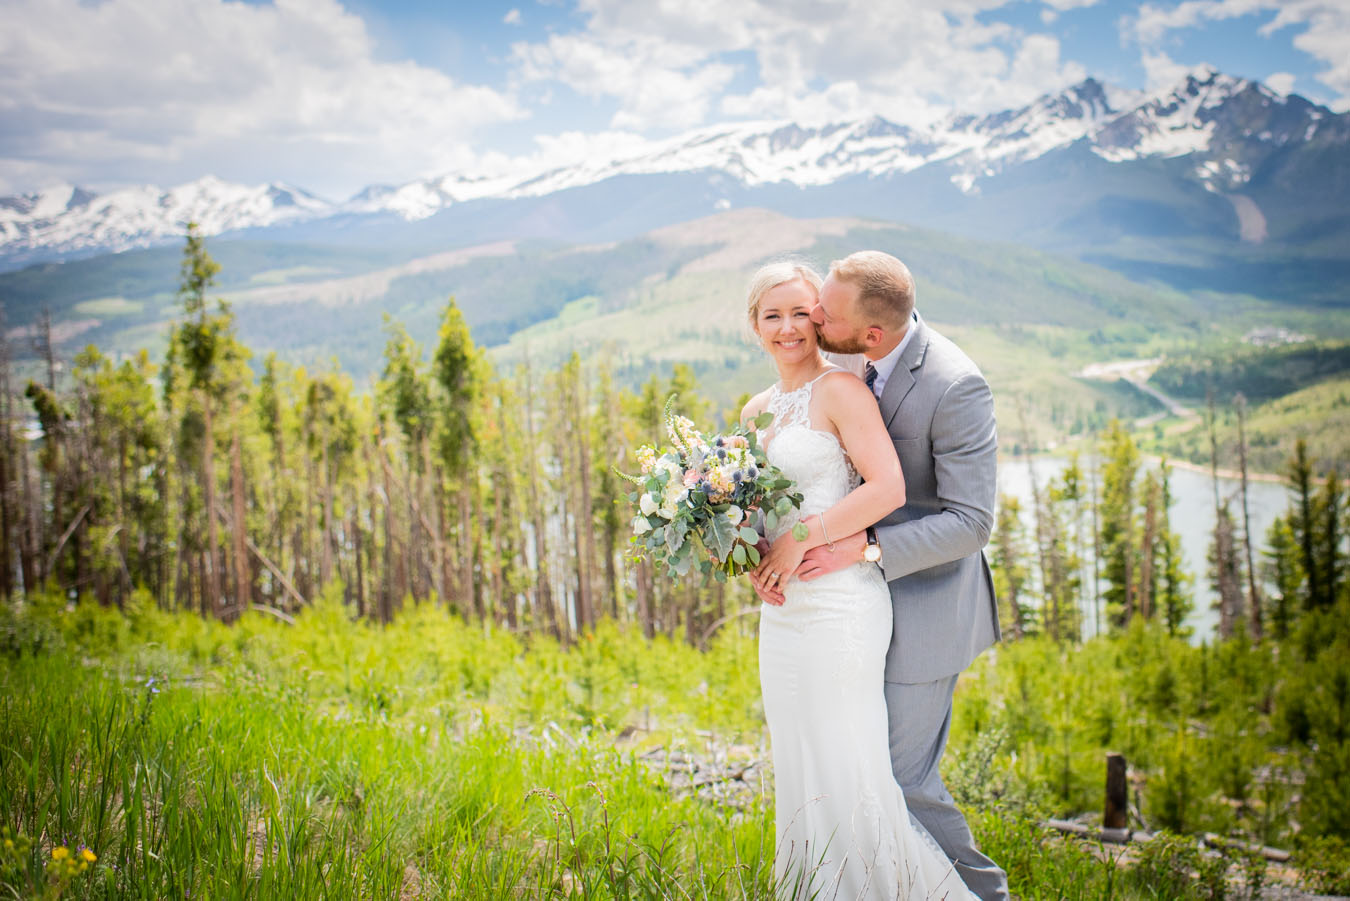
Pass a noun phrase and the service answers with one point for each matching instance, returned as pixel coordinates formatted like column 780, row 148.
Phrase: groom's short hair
column 885, row 287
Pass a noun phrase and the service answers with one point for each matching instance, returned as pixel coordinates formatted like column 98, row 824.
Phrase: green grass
column 430, row 758
column 332, row 760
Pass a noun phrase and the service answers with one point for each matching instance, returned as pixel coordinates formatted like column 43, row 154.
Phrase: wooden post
column 1117, row 796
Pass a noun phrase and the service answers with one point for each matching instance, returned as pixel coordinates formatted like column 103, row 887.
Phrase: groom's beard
column 850, row 345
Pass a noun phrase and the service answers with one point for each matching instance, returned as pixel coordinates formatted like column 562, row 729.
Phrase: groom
column 940, row 415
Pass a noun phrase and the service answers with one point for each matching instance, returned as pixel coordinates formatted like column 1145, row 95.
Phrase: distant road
column 1137, row 373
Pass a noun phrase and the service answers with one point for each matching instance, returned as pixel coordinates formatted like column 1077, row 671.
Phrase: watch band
column 872, row 542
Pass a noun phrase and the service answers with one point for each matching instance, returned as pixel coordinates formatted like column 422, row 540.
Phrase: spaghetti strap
column 823, row 374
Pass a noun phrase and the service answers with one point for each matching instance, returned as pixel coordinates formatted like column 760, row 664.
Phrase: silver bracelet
column 824, row 534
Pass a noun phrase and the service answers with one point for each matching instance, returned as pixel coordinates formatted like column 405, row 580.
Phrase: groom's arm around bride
column 939, row 412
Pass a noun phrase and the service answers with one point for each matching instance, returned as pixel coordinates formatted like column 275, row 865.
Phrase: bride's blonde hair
column 770, row 276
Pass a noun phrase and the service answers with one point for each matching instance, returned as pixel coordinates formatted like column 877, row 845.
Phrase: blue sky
column 334, row 95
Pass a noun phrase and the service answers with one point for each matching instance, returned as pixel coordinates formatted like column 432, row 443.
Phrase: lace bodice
column 812, row 458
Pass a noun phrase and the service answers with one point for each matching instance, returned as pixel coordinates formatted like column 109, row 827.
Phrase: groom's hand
column 820, row 561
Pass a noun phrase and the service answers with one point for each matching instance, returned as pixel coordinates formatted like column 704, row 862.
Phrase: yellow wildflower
column 89, row 856
column 60, row 853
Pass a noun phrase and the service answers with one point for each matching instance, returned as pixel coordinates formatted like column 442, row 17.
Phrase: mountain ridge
column 1231, row 135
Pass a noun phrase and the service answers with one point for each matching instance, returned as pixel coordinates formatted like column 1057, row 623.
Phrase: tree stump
column 1116, row 815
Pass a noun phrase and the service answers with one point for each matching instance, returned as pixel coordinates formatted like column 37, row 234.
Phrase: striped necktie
column 870, row 377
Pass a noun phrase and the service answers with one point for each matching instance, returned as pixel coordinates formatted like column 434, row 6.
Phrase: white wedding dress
column 843, row 830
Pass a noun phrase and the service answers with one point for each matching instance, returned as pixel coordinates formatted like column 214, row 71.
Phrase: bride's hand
column 777, row 566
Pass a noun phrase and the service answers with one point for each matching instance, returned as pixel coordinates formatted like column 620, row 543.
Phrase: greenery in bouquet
column 703, row 501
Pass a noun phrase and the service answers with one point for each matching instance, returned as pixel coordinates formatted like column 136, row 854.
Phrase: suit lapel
column 902, row 379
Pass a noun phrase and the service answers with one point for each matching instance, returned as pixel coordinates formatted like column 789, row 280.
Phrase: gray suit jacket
column 940, row 415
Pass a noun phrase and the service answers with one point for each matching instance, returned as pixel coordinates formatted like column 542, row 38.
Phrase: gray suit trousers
column 920, row 718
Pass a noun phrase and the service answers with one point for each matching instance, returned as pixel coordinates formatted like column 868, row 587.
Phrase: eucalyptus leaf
column 749, row 536
column 800, row 531
column 762, row 420
column 674, row 538
column 739, row 555
column 720, row 536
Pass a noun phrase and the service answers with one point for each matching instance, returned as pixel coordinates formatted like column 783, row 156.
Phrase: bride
column 843, row 831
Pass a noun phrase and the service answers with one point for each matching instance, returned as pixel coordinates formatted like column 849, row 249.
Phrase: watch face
column 872, row 553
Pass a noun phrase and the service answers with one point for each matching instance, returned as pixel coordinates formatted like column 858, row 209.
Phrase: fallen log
column 1126, row 836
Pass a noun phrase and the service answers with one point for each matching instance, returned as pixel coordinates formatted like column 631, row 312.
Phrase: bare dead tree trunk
column 213, row 593
column 305, row 553
column 7, row 457
column 504, row 593
column 124, row 520
column 243, row 584
column 435, row 499
column 1147, row 541
column 543, row 590
column 326, row 551
column 468, row 541
column 1096, row 550
column 1044, row 539
column 383, row 573
column 1254, row 601
column 1226, row 576
column 354, row 526
column 42, row 343
column 586, row 525
column 1230, row 592
column 30, row 546
column 393, row 580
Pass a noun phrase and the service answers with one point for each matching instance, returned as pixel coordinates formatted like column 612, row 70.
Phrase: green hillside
column 1318, row 414
column 1032, row 320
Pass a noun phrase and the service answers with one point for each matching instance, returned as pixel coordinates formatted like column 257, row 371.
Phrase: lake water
column 1192, row 517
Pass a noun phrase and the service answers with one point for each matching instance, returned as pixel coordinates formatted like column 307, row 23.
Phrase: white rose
column 640, row 525
column 647, row 504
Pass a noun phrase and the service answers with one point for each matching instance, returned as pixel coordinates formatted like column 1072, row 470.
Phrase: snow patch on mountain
column 1214, row 117
column 66, row 218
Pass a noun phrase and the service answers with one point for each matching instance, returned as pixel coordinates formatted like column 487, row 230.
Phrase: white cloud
column 1280, row 82
column 161, row 90
column 1161, row 70
column 907, row 59
column 1052, row 8
column 658, row 84
column 512, row 17
column 1325, row 34
column 1327, row 39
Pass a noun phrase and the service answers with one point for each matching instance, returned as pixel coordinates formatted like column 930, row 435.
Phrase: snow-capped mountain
column 1225, row 131
column 66, row 218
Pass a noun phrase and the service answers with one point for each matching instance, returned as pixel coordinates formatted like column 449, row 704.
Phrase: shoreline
column 1173, row 462
column 1231, row 474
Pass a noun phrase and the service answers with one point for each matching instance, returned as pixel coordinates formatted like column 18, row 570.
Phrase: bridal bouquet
column 702, row 501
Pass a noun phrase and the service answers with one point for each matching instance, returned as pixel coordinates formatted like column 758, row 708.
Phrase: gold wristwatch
column 872, row 550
